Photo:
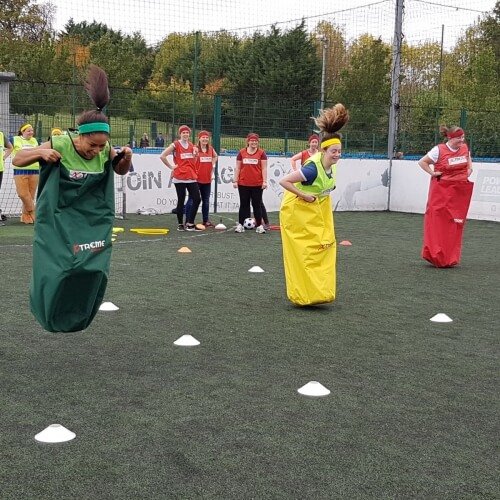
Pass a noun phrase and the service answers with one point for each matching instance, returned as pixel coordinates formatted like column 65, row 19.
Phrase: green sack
column 72, row 246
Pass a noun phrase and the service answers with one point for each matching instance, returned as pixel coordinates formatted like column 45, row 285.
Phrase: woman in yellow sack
column 306, row 217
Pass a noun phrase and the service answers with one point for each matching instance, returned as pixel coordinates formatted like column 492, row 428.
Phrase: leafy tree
column 25, row 20
column 364, row 88
column 88, row 33
column 336, row 52
column 276, row 76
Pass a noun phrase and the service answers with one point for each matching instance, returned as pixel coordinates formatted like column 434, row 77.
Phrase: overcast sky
column 154, row 19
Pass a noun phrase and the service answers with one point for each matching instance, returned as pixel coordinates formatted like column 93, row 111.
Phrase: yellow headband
column 24, row 127
column 330, row 142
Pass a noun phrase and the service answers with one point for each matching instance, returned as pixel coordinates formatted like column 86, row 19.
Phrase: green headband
column 88, row 128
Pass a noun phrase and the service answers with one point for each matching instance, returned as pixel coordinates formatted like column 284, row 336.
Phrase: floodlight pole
column 395, row 82
column 395, row 79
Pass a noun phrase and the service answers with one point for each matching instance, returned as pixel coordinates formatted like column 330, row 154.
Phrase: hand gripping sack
column 71, row 247
column 309, row 249
column 445, row 216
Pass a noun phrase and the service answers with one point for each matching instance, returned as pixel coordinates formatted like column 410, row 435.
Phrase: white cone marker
column 220, row 227
column 314, row 389
column 441, row 318
column 187, row 340
column 108, row 306
column 256, row 269
column 55, row 433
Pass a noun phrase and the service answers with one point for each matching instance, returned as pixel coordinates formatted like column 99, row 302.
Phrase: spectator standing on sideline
column 449, row 198
column 250, row 178
column 184, row 176
column 160, row 141
column 313, row 142
column 144, row 142
column 26, row 177
column 205, row 163
column 5, row 151
column 306, row 217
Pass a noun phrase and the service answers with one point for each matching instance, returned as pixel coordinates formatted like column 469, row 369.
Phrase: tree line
column 270, row 81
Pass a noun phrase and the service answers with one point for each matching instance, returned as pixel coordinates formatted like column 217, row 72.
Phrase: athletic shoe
column 267, row 226
column 260, row 230
column 180, row 227
column 239, row 229
column 208, row 224
column 192, row 227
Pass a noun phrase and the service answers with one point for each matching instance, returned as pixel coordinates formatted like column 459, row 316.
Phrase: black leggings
column 194, row 194
column 251, row 194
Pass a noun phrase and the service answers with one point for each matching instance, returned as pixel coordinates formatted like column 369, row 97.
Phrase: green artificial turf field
column 413, row 408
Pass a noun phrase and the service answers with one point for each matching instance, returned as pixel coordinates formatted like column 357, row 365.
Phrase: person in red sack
column 450, row 192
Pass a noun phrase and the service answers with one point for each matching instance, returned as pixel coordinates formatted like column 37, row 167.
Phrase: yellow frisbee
column 150, row 230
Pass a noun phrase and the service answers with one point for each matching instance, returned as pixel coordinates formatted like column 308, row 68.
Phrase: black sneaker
column 190, row 227
column 180, row 227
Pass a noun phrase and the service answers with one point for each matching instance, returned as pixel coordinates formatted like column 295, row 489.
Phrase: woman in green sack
column 74, row 216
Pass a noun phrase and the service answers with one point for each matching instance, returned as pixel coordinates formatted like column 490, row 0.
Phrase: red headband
column 252, row 137
column 184, row 128
column 313, row 137
column 203, row 133
column 457, row 133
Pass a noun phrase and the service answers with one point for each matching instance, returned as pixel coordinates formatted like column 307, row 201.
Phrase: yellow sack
column 309, row 249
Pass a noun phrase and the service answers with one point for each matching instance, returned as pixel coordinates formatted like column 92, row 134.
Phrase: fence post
column 39, row 126
column 285, row 148
column 463, row 118
column 131, row 136
column 216, row 132
column 154, row 133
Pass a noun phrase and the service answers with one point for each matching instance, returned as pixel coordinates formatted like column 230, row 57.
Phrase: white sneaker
column 260, row 230
column 239, row 229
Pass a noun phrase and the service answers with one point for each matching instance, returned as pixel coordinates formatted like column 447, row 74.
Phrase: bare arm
column 44, row 152
column 236, row 173
column 288, row 182
column 264, row 174
column 167, row 152
column 294, row 160
column 425, row 164
column 469, row 166
column 8, row 149
column 214, row 161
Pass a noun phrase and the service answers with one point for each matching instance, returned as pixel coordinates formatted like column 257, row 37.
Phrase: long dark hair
column 331, row 120
column 96, row 85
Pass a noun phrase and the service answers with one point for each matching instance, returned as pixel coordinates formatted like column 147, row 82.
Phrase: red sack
column 445, row 215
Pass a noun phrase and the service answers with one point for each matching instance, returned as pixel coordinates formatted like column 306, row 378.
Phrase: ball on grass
column 249, row 223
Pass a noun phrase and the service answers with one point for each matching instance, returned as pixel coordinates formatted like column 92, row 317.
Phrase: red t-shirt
column 251, row 167
column 305, row 156
column 185, row 162
column 204, row 166
column 453, row 164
